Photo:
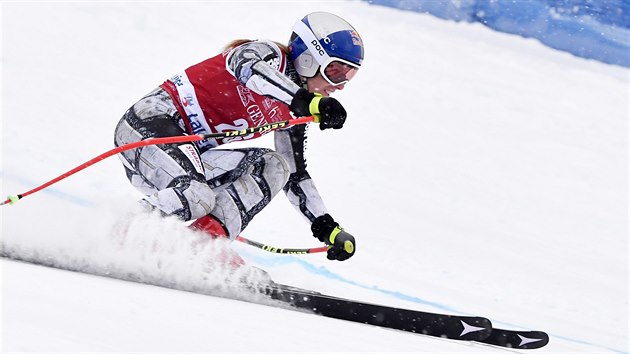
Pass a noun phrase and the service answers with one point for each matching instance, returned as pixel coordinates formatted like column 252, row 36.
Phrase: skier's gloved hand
column 341, row 245
column 331, row 113
column 328, row 112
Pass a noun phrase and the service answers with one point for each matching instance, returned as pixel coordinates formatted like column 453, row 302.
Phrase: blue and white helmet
column 321, row 38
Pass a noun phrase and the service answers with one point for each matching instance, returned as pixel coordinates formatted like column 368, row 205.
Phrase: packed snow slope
column 481, row 173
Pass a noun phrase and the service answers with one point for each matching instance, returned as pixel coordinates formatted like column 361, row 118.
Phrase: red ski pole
column 12, row 199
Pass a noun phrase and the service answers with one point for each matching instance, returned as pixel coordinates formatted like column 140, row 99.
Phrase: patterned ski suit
column 248, row 86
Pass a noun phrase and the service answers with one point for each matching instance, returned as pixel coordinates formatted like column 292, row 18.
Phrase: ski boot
column 213, row 228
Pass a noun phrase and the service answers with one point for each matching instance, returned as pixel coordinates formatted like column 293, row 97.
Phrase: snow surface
column 482, row 173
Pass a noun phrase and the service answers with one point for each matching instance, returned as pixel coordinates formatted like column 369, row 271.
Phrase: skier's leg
column 171, row 175
column 244, row 181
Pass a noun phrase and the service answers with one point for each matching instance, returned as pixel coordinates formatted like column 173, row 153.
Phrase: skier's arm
column 300, row 189
column 256, row 65
column 301, row 192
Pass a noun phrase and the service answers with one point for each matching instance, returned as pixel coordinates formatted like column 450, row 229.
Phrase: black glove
column 328, row 112
column 341, row 245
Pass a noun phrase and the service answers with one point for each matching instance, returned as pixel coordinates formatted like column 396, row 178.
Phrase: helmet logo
column 318, row 47
column 356, row 40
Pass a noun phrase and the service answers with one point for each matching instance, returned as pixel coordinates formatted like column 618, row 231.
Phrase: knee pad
column 276, row 171
column 238, row 202
column 200, row 198
column 189, row 202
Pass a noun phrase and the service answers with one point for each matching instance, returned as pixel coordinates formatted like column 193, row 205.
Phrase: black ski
column 428, row 323
column 478, row 329
column 469, row 328
column 517, row 339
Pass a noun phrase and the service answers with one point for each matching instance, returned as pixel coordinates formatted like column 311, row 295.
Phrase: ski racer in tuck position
column 252, row 83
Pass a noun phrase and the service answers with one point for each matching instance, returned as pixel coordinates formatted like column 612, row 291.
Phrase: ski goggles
column 338, row 71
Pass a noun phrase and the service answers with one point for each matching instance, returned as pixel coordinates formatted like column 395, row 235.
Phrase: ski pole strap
column 281, row 250
column 313, row 107
column 348, row 246
column 12, row 199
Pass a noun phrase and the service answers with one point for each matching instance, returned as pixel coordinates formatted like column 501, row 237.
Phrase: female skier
column 250, row 84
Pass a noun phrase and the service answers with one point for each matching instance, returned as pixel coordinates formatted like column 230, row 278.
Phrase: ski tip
column 532, row 340
column 517, row 339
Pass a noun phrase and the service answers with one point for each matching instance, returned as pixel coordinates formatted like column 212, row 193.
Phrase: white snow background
column 481, row 173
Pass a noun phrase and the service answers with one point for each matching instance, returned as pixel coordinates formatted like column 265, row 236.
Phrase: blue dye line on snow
column 50, row 191
column 322, row 271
